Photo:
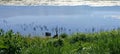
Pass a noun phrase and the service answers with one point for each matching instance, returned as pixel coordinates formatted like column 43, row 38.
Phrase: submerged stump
column 47, row 34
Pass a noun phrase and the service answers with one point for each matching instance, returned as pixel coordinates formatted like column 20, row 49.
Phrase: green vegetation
column 79, row 43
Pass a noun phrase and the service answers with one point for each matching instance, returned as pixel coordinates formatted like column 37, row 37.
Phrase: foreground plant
column 94, row 43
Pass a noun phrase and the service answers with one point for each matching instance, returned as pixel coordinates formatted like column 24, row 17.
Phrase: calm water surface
column 68, row 19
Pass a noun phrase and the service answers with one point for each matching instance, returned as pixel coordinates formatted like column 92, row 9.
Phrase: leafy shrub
column 58, row 43
column 79, row 37
column 64, row 35
column 11, row 43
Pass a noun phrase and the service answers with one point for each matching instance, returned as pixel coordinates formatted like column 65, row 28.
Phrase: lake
column 37, row 20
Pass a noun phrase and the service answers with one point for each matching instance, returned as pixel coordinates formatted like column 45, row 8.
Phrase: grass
column 94, row 43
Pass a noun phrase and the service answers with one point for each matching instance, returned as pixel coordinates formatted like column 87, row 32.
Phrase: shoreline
column 59, row 3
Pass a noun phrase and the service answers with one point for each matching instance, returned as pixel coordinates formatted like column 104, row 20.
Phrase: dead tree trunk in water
column 56, row 33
